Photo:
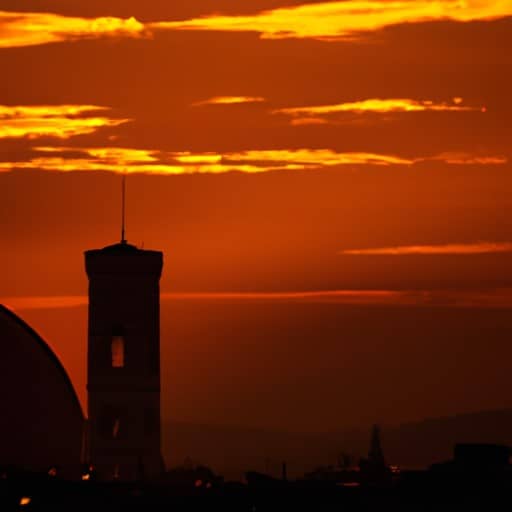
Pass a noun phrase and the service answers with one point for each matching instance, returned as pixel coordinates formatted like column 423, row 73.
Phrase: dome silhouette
column 42, row 422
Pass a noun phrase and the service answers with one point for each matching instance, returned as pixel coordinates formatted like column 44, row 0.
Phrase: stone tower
column 123, row 376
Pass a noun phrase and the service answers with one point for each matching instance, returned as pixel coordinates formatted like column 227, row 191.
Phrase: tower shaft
column 123, row 375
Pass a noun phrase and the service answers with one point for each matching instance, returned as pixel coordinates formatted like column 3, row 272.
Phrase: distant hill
column 233, row 450
column 423, row 443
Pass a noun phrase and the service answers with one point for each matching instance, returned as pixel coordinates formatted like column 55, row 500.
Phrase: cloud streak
column 372, row 105
column 18, row 29
column 348, row 19
column 229, row 100
column 60, row 121
column 429, row 250
column 329, row 21
column 468, row 159
column 126, row 160
column 143, row 161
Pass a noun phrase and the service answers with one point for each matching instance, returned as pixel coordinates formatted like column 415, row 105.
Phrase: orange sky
column 273, row 147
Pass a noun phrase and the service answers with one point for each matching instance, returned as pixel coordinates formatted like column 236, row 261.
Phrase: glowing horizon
column 477, row 298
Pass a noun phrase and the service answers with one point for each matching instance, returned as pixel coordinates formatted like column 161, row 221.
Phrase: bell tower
column 123, row 375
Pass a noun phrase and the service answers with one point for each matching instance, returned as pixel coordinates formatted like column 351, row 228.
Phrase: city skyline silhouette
column 328, row 183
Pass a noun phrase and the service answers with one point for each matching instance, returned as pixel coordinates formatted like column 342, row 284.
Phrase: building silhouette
column 375, row 454
column 374, row 470
column 41, row 426
column 123, row 380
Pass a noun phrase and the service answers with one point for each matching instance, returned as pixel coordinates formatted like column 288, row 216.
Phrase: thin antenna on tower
column 123, row 213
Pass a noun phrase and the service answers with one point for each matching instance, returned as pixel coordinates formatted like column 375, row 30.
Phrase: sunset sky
column 330, row 183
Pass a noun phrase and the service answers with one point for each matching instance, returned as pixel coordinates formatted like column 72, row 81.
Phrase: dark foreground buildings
column 124, row 362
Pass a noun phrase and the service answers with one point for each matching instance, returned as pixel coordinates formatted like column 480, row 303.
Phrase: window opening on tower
column 115, row 428
column 118, row 347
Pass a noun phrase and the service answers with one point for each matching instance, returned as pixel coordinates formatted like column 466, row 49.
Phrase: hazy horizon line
column 466, row 298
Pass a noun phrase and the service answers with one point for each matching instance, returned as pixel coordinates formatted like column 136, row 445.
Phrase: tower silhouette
column 374, row 470
column 375, row 454
column 123, row 377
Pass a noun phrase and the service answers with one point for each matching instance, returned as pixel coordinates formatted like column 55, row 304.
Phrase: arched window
column 117, row 351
